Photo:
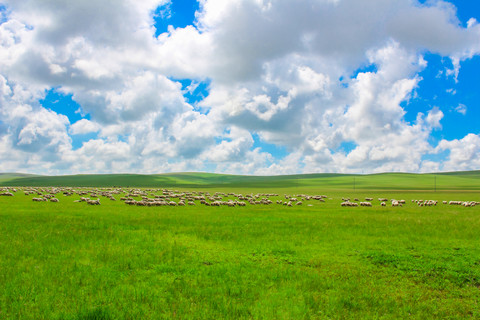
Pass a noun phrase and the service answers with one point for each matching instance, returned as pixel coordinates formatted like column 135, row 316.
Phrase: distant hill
column 8, row 176
column 465, row 180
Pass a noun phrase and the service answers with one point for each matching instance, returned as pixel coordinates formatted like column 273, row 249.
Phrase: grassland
column 450, row 181
column 68, row 260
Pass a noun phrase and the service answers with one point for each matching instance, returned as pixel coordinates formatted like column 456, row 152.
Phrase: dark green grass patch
column 460, row 181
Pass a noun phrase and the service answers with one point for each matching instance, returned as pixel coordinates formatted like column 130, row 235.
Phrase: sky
column 258, row 87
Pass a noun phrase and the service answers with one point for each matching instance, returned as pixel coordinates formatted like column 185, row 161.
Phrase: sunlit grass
column 72, row 261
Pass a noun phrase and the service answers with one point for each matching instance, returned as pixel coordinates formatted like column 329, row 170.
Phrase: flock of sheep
column 165, row 197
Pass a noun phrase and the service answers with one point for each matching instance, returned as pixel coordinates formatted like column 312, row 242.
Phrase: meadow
column 68, row 260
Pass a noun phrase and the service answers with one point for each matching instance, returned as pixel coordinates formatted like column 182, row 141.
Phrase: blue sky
column 177, row 14
column 249, row 87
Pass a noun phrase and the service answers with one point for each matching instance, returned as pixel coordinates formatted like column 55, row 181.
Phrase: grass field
column 68, row 260
column 469, row 180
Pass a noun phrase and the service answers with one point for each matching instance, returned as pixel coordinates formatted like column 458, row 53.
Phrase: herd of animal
column 166, row 197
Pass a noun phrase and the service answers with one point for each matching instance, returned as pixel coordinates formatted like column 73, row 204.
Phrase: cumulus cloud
column 464, row 154
column 291, row 73
column 433, row 118
column 84, row 126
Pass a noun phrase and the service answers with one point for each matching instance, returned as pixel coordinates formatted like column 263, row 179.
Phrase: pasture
column 318, row 260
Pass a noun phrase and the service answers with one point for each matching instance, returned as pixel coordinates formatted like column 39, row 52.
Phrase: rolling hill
column 465, row 180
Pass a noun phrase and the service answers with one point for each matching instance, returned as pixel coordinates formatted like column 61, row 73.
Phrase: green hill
column 5, row 177
column 467, row 180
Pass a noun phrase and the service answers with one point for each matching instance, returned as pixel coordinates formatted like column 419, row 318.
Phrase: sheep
column 383, row 204
column 7, row 194
column 54, row 200
column 349, row 204
column 430, row 203
column 299, row 203
column 38, row 199
column 469, row 204
column 455, row 202
column 395, row 203
column 365, row 204
column 94, row 202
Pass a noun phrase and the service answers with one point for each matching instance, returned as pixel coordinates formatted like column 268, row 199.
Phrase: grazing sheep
column 430, row 203
column 469, row 204
column 395, row 203
column 455, row 202
column 383, row 204
column 54, row 200
column 7, row 194
column 349, row 204
column 365, row 204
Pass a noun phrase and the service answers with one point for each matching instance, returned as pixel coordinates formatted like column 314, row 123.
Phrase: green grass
column 72, row 261
column 469, row 180
column 10, row 177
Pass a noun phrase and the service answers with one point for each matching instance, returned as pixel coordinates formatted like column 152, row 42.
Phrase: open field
column 69, row 260
column 452, row 181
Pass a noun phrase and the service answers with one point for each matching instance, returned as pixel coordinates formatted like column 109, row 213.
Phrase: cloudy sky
column 239, row 86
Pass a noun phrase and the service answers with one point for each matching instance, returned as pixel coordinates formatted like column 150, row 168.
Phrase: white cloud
column 84, row 126
column 461, row 108
column 236, row 146
column 464, row 154
column 273, row 68
column 433, row 118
